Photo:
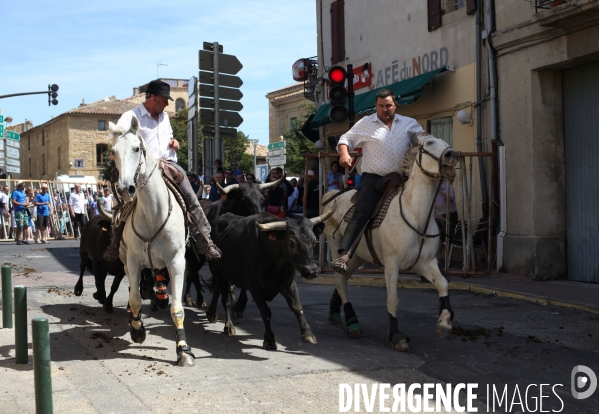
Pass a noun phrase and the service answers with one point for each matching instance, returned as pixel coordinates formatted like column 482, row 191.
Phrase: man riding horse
column 385, row 138
column 155, row 128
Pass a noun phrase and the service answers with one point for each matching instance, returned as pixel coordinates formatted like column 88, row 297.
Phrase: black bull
column 261, row 254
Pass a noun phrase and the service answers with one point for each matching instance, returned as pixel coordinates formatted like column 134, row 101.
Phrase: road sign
column 276, row 152
column 191, row 101
column 223, row 80
column 12, row 152
column 223, row 93
column 2, row 145
column 191, row 113
column 1, row 154
column 224, row 105
column 15, row 170
column 13, row 135
column 226, row 63
column 1, row 131
column 276, row 145
column 261, row 172
column 210, row 46
column 227, row 119
column 79, row 163
column 208, row 131
column 191, row 86
column 1, row 118
column 10, row 161
column 14, row 144
column 1, row 163
column 277, row 160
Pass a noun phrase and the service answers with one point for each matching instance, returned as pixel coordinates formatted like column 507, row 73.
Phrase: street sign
column 277, row 160
column 13, row 135
column 227, row 119
column 223, row 93
column 274, row 153
column 12, row 152
column 15, row 170
column 1, row 118
column 276, row 145
column 14, row 144
column 261, row 172
column 1, row 131
column 208, row 131
column 1, row 155
column 2, row 145
column 191, row 101
column 226, row 63
column 191, row 86
column 79, row 163
column 224, row 105
column 1, row 163
column 10, row 161
column 223, row 80
column 210, row 46
column 191, row 113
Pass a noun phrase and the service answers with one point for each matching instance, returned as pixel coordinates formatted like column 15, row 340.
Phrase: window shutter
column 338, row 31
column 470, row 6
column 434, row 14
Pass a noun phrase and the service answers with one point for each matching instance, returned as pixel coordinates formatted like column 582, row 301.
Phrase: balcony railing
column 547, row 4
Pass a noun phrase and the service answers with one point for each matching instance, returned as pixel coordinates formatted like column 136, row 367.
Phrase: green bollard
column 21, row 325
column 42, row 374
column 6, row 297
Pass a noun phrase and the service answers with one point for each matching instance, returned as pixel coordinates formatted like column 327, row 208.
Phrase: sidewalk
column 576, row 295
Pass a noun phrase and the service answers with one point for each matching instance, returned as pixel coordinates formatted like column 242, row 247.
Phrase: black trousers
column 78, row 221
column 366, row 202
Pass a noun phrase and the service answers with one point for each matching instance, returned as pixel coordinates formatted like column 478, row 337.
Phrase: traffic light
column 337, row 94
column 52, row 95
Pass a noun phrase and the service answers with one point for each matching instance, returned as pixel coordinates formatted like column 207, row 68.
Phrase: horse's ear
column 134, row 124
column 422, row 137
column 112, row 127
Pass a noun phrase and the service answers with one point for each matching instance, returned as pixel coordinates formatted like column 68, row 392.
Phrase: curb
column 410, row 283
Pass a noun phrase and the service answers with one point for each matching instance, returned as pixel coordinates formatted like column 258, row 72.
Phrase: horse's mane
column 407, row 164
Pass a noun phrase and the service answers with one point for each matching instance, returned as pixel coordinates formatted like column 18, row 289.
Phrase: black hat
column 159, row 88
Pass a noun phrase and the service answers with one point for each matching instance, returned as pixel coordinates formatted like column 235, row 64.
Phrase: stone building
column 51, row 149
column 285, row 108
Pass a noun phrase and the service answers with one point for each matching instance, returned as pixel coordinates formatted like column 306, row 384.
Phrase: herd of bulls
column 260, row 254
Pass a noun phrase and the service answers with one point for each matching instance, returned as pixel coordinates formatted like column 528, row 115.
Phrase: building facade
column 286, row 107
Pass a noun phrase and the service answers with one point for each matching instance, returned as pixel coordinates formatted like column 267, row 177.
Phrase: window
column 100, row 160
column 58, row 157
column 338, row 31
column 29, row 167
column 43, row 164
column 442, row 128
column 179, row 104
column 43, row 138
column 29, row 143
column 434, row 14
column 101, row 125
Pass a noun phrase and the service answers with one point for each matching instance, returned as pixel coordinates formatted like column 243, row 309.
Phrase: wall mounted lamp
column 464, row 117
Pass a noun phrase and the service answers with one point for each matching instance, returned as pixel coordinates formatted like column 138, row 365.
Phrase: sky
column 96, row 49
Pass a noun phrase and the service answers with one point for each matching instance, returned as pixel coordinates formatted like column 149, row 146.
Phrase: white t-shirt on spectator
column 107, row 203
column 79, row 203
column 4, row 200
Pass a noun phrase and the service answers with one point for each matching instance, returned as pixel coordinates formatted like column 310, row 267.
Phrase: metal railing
column 547, row 4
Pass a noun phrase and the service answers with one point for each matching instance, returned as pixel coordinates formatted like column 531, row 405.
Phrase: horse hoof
column 204, row 304
column 269, row 345
column 99, row 298
column 229, row 330
column 354, row 330
column 138, row 336
column 212, row 317
column 78, row 290
column 108, row 308
column 402, row 346
column 185, row 360
column 444, row 332
column 309, row 338
column 335, row 318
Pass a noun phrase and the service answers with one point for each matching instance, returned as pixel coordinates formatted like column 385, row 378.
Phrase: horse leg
column 291, row 295
column 269, row 336
column 239, row 306
column 137, row 331
column 434, row 276
column 176, row 270
column 108, row 308
column 100, row 278
column 335, row 308
column 354, row 330
column 399, row 341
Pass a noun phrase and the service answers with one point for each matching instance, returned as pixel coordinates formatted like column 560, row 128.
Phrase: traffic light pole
column 350, row 95
column 21, row 94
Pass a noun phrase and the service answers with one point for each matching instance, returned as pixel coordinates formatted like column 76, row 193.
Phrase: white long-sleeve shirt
column 156, row 134
column 383, row 149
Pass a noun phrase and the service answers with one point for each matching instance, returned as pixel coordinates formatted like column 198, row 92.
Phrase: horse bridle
column 143, row 151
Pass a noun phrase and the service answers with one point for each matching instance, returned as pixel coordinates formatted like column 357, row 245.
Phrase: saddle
column 170, row 171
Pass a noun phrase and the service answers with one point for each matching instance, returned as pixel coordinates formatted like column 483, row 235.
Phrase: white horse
column 154, row 234
column 399, row 241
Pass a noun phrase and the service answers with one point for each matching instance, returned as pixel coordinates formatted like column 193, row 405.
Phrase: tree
column 297, row 145
column 235, row 151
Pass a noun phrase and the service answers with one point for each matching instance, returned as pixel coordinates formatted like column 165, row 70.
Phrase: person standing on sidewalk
column 78, row 210
column 20, row 203
column 385, row 138
column 42, row 201
column 4, row 213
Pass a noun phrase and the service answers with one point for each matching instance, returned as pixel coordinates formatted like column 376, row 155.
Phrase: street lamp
column 255, row 144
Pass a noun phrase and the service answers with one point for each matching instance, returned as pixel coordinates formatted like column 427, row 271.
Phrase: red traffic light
column 337, row 74
column 350, row 182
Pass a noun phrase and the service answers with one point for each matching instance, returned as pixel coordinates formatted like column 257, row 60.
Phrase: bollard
column 21, row 325
column 6, row 297
column 42, row 374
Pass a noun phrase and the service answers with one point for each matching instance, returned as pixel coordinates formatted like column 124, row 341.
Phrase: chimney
column 82, row 103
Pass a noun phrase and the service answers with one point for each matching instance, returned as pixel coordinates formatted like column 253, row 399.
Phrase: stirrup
column 340, row 264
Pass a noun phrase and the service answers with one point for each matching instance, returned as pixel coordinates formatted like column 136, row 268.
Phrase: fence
column 474, row 229
column 60, row 219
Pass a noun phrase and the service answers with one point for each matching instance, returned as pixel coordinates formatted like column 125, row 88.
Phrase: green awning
column 406, row 92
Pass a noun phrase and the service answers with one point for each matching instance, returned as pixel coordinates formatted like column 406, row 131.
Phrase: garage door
column 581, row 135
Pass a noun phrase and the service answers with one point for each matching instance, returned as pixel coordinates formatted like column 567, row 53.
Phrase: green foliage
column 235, row 150
column 109, row 167
column 179, row 125
column 297, row 145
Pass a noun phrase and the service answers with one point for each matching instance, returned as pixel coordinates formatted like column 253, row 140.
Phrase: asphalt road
column 96, row 368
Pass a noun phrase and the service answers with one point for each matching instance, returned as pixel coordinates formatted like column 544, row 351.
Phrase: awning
column 406, row 92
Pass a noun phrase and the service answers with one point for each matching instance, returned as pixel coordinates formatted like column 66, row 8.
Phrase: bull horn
column 274, row 184
column 274, row 226
column 104, row 213
column 226, row 189
column 324, row 216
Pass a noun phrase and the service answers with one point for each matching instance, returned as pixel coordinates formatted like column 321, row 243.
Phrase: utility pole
column 255, row 144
